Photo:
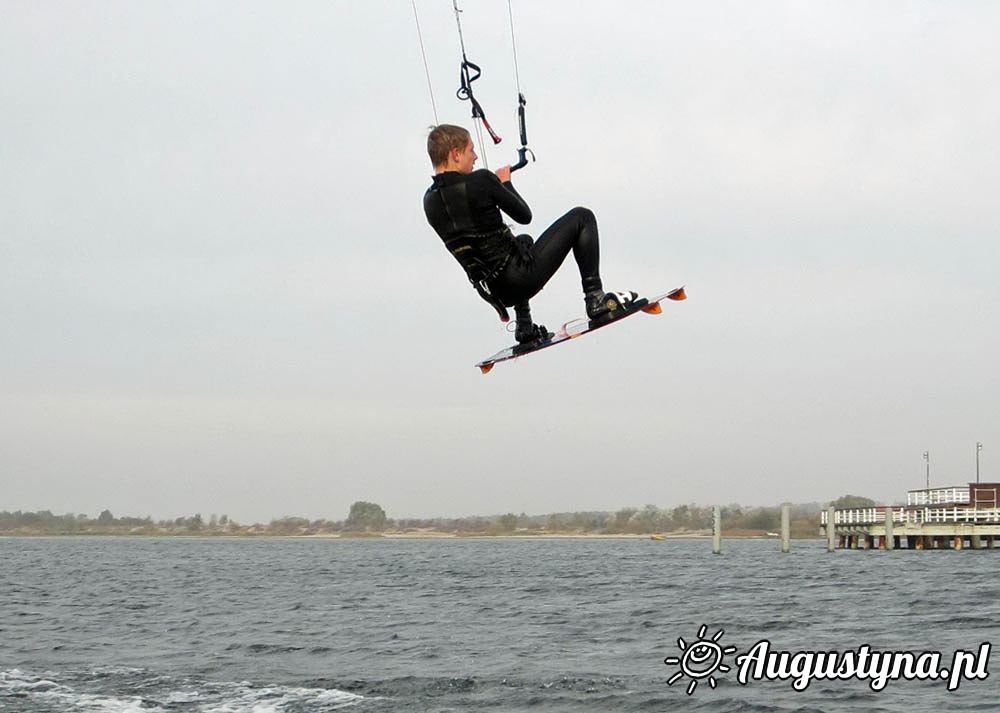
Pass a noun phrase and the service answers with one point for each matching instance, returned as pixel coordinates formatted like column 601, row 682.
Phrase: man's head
column 450, row 149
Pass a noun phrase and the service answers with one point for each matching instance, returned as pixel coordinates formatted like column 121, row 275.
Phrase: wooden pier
column 952, row 518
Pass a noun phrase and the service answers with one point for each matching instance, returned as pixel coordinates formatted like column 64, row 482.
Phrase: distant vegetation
column 369, row 518
column 365, row 517
column 853, row 502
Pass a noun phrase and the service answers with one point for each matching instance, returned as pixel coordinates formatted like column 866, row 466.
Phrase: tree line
column 365, row 518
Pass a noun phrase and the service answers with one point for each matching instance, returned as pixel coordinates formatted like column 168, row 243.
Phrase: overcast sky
column 218, row 293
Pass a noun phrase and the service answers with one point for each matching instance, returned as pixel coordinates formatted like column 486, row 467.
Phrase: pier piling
column 889, row 540
column 831, row 528
column 786, row 511
column 717, row 530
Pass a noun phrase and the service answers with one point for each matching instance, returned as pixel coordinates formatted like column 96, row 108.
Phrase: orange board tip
column 678, row 294
column 486, row 368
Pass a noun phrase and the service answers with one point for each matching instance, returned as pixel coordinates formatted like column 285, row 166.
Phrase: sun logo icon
column 700, row 660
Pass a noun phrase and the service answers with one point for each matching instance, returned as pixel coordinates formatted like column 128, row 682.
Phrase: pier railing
column 914, row 516
column 938, row 496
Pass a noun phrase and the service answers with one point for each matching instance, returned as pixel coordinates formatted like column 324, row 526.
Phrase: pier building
column 955, row 517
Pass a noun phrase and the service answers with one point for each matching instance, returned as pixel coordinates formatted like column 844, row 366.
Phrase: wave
column 72, row 692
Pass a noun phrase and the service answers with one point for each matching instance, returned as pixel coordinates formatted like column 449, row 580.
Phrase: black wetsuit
column 465, row 209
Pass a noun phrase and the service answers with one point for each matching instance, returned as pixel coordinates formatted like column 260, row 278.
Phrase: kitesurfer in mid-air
column 464, row 207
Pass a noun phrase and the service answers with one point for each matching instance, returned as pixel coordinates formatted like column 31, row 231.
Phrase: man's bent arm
column 509, row 201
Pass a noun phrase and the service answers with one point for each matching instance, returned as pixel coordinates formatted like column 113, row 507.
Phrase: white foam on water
column 18, row 681
column 243, row 698
column 184, row 697
column 28, row 687
column 215, row 697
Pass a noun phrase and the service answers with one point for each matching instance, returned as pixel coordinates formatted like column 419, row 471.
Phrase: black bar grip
column 522, row 155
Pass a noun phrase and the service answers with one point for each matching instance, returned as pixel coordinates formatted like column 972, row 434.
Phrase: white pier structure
column 955, row 517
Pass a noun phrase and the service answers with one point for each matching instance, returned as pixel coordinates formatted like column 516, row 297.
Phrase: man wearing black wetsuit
column 464, row 208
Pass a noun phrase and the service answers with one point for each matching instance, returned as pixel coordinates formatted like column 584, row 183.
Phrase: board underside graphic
column 579, row 327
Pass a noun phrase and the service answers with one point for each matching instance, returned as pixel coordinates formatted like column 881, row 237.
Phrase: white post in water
column 888, row 528
column 830, row 529
column 717, row 530
column 785, row 527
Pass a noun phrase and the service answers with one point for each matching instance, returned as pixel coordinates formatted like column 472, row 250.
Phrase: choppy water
column 255, row 626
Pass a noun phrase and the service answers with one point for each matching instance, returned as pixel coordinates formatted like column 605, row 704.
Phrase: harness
column 482, row 272
column 483, row 288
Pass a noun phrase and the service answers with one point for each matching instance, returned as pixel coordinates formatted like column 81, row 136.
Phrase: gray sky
column 219, row 293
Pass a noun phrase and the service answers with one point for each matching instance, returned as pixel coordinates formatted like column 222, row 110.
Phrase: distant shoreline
column 393, row 536
column 369, row 520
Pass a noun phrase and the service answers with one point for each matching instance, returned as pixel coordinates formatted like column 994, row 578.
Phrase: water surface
column 288, row 625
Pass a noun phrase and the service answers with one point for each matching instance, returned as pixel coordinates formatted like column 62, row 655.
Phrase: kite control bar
column 465, row 94
column 471, row 72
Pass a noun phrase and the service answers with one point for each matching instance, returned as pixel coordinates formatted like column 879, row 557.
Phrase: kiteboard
column 579, row 327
